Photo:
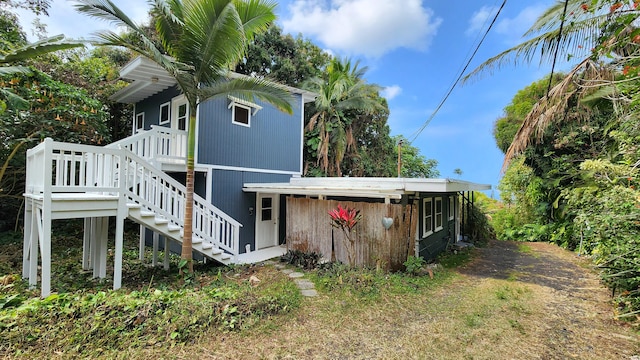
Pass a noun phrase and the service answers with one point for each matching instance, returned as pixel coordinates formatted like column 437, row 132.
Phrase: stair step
column 147, row 213
column 216, row 251
column 133, row 206
column 196, row 240
column 207, row 245
column 225, row 256
column 160, row 221
column 173, row 227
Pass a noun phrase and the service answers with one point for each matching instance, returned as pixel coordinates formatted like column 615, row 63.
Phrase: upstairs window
column 427, row 221
column 242, row 111
column 165, row 113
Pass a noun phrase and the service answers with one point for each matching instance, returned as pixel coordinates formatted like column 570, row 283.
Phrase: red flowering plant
column 346, row 220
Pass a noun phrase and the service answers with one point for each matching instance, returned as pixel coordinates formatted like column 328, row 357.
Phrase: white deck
column 262, row 255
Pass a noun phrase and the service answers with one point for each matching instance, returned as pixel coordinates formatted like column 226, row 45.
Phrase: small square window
column 164, row 114
column 241, row 115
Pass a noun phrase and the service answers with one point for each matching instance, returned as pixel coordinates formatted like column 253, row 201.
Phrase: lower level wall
column 308, row 228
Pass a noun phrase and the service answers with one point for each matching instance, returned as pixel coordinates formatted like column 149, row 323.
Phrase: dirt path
column 579, row 316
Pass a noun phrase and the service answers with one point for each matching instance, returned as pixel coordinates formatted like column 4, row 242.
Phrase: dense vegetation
column 571, row 147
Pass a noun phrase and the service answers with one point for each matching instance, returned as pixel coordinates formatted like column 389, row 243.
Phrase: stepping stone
column 295, row 275
column 309, row 293
column 287, row 271
column 304, row 284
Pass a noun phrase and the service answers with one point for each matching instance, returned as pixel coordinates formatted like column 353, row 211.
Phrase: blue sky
column 414, row 49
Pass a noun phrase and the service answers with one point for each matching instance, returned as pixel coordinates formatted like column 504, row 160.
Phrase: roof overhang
column 147, row 79
column 391, row 188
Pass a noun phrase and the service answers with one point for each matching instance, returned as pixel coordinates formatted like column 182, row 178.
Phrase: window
column 242, row 110
column 139, row 123
column 179, row 113
column 267, row 209
column 164, row 113
column 438, row 213
column 427, row 221
column 241, row 115
column 452, row 207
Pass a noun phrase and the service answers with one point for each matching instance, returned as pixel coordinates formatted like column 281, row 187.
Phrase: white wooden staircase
column 124, row 179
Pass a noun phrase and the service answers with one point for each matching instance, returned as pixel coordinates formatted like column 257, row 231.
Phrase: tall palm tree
column 9, row 58
column 200, row 40
column 343, row 89
column 588, row 31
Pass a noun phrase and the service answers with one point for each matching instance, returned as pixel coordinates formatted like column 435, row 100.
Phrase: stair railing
column 158, row 145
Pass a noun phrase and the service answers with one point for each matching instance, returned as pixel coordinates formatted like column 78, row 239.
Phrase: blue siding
column 273, row 141
column 151, row 106
column 228, row 196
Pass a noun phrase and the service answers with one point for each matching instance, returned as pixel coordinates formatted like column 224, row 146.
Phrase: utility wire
column 417, row 133
column 555, row 54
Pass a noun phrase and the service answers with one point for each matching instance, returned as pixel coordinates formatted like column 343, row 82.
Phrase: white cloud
column 364, row 27
column 479, row 19
column 517, row 26
column 392, row 91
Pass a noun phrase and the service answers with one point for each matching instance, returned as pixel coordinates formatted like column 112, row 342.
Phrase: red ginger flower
column 345, row 219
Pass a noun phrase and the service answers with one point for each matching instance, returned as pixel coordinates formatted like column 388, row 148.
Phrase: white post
column 154, row 260
column 86, row 245
column 143, row 239
column 26, row 237
column 166, row 253
column 45, row 237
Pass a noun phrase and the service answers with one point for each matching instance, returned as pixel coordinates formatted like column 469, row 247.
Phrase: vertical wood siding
column 309, row 229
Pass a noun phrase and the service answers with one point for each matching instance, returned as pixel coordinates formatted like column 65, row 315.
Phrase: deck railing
column 56, row 167
column 157, row 191
column 158, row 145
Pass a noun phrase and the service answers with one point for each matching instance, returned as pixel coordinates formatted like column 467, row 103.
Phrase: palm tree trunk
column 187, row 244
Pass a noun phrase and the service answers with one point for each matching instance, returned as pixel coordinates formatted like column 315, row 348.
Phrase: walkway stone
column 307, row 287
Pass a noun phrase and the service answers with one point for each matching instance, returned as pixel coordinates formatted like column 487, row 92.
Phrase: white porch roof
column 148, row 78
column 392, row 188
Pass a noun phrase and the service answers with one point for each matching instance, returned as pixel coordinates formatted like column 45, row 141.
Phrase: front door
column 267, row 221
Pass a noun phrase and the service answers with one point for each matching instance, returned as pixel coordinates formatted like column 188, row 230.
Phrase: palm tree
column 200, row 40
column 342, row 90
column 9, row 58
column 587, row 31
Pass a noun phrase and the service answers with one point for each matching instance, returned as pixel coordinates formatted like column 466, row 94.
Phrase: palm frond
column 105, row 10
column 41, row 47
column 553, row 107
column 248, row 88
column 576, row 41
column 256, row 16
column 168, row 16
column 14, row 70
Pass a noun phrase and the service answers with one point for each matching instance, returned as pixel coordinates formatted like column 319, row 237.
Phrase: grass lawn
column 460, row 313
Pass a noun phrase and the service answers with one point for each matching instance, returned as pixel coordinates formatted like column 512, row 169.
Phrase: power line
column 444, row 99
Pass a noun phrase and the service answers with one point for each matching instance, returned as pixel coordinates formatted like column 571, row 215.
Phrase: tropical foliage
column 571, row 166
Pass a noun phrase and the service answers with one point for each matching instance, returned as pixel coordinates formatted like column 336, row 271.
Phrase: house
column 400, row 216
column 248, row 179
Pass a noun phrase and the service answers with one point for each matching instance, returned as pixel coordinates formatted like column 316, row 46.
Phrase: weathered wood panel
column 309, row 229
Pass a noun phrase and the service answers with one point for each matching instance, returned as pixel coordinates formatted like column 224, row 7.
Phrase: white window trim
column 176, row 102
column 168, row 121
column 137, row 129
column 435, row 214
column 233, row 115
column 253, row 108
column 452, row 207
column 426, row 201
